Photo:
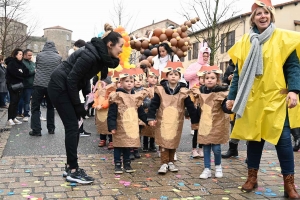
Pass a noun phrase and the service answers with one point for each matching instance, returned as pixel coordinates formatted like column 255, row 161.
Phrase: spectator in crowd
column 46, row 61
column 16, row 71
column 24, row 102
column 3, row 88
column 229, row 73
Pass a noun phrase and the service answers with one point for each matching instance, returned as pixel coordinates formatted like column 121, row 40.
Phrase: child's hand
column 98, row 107
column 113, row 131
column 229, row 104
column 152, row 123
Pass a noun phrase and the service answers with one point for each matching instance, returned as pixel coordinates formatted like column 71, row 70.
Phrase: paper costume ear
column 115, row 77
column 209, row 69
column 153, row 72
column 127, row 72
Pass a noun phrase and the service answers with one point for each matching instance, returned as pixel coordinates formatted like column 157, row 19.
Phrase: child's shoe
column 205, row 174
column 127, row 166
column 163, row 169
column 158, row 154
column 118, row 168
column 110, row 145
column 102, row 143
column 219, row 172
column 131, row 156
column 153, row 149
column 175, row 156
column 145, row 149
column 172, row 167
column 136, row 153
column 200, row 152
column 195, row 154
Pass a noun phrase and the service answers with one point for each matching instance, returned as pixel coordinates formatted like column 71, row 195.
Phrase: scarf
column 161, row 64
column 252, row 67
column 107, row 60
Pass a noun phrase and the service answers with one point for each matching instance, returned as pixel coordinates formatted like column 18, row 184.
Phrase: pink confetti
column 43, row 147
column 122, row 182
column 117, row 176
column 178, row 176
column 23, row 184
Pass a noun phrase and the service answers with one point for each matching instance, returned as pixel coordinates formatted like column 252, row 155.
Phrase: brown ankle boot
column 251, row 182
column 289, row 187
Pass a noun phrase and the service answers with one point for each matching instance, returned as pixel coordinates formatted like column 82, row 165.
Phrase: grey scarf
column 252, row 67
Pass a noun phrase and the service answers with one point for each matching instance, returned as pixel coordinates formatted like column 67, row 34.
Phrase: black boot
column 145, row 144
column 118, row 168
column 232, row 151
column 136, row 153
column 127, row 166
column 296, row 134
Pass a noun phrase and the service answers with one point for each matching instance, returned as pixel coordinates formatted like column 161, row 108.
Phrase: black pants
column 63, row 104
column 195, row 137
column 15, row 97
column 146, row 141
column 37, row 98
column 103, row 137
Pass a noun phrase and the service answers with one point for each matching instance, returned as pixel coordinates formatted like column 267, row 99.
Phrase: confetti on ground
column 197, row 163
column 1, row 191
column 23, row 184
column 180, row 184
column 10, row 193
column 73, row 184
column 196, row 184
column 145, row 189
column 258, row 193
column 214, row 180
column 27, row 171
column 115, row 190
column 197, row 197
column 243, row 178
column 149, row 179
column 164, row 198
column 175, row 190
column 225, row 198
column 46, row 173
column 117, row 176
column 137, row 185
column 227, row 191
column 178, row 176
column 147, row 155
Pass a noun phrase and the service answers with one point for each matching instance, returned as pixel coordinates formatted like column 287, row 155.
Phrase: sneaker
column 51, row 131
column 172, row 167
column 195, row 154
column 17, row 121
column 163, row 169
column 153, row 149
column 205, row 174
column 11, row 122
column 25, row 119
column 102, row 143
column 200, row 152
column 34, row 134
column 192, row 132
column 79, row 176
column 175, row 156
column 67, row 170
column 118, row 168
column 219, row 172
column 136, row 154
column 127, row 167
column 20, row 116
column 85, row 134
column 131, row 156
column 42, row 118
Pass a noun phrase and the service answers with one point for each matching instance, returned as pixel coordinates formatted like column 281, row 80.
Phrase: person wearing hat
column 166, row 112
column 264, row 93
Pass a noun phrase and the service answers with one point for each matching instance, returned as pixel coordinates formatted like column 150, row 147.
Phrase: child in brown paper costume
column 148, row 132
column 123, row 120
column 166, row 112
column 213, row 127
column 101, row 106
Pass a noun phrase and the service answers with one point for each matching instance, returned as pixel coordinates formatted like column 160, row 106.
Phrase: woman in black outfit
column 69, row 78
column 16, row 71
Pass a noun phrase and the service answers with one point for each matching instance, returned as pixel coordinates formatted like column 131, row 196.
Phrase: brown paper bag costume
column 214, row 124
column 101, row 115
column 170, row 117
column 127, row 133
column 148, row 131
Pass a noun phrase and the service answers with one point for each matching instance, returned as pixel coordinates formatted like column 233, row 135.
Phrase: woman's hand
column 113, row 131
column 229, row 104
column 292, row 99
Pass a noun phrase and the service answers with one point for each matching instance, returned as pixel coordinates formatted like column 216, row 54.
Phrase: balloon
column 179, row 53
column 184, row 48
column 142, row 51
column 174, row 35
column 154, row 51
column 154, row 40
column 147, row 52
column 173, row 42
column 169, row 32
column 185, row 54
column 157, row 32
column 132, row 44
column 189, row 24
column 184, row 34
column 150, row 59
column 145, row 44
column 193, row 21
column 180, row 42
column 174, row 49
column 138, row 44
column 179, row 30
column 197, row 18
column 183, row 28
column 126, row 38
column 163, row 37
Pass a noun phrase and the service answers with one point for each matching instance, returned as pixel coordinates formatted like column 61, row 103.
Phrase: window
column 195, row 50
column 68, row 37
column 230, row 40
column 223, row 36
column 182, row 59
column 35, row 48
column 29, row 46
column 189, row 55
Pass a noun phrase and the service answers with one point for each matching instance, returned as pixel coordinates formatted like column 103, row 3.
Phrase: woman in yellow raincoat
column 264, row 92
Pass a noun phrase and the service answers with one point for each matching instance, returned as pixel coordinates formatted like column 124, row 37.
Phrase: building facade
column 286, row 17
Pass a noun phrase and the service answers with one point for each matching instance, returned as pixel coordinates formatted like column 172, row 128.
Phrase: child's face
column 173, row 77
column 138, row 83
column 127, row 83
column 210, row 80
column 152, row 80
column 162, row 52
column 201, row 80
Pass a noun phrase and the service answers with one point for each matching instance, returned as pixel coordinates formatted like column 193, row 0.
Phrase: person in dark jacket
column 24, row 102
column 3, row 88
column 46, row 61
column 69, row 78
column 228, row 75
column 16, row 71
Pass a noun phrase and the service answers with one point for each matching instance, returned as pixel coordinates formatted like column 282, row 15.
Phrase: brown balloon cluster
column 177, row 39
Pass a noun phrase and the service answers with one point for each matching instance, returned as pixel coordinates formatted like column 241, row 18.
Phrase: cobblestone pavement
column 39, row 176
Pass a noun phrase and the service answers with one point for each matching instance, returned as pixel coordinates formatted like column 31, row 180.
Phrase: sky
column 86, row 18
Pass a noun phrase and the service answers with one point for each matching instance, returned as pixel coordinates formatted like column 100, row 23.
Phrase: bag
column 17, row 86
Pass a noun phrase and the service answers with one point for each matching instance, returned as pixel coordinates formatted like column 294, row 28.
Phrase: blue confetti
column 258, row 193
column 197, row 163
column 27, row 171
column 73, row 184
column 196, row 184
column 181, row 184
column 1, row 191
column 268, row 190
column 10, row 193
column 164, row 198
column 102, row 158
column 270, row 194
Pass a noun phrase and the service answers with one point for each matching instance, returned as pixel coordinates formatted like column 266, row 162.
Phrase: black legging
column 15, row 97
column 103, row 137
column 195, row 140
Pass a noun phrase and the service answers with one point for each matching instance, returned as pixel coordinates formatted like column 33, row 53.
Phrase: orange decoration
column 105, row 104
